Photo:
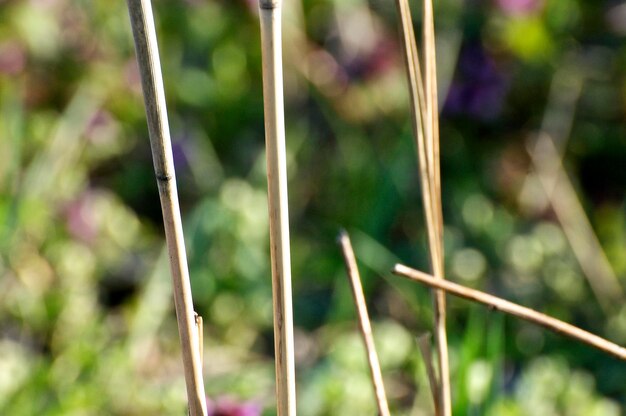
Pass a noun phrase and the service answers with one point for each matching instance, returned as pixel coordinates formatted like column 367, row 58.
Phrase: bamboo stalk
column 271, row 38
column 514, row 309
column 146, row 47
column 364, row 322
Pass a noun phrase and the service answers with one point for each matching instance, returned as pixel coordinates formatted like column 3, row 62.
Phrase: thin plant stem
column 546, row 151
column 432, row 115
column 271, row 44
column 64, row 147
column 430, row 87
column 425, row 347
column 200, row 328
column 425, row 121
column 144, row 33
column 432, row 110
column 418, row 107
column 364, row 322
column 514, row 309
column 575, row 223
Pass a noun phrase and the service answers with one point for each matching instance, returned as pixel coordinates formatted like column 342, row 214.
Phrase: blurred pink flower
column 616, row 18
column 81, row 218
column 382, row 57
column 12, row 57
column 100, row 121
column 519, row 6
column 227, row 406
column 132, row 77
column 253, row 5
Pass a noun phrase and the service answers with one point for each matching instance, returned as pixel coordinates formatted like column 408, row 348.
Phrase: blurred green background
column 86, row 319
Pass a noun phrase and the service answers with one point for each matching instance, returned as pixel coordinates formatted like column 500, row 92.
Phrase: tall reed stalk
column 425, row 122
column 271, row 38
column 144, row 33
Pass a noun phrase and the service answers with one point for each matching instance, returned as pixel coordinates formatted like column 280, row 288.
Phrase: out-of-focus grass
column 86, row 317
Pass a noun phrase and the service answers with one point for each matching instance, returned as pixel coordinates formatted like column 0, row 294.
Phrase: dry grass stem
column 425, row 347
column 364, row 322
column 432, row 115
column 575, row 224
column 430, row 88
column 144, row 33
column 64, row 147
column 271, row 44
column 418, row 108
column 425, row 121
column 546, row 152
column 514, row 309
column 200, row 327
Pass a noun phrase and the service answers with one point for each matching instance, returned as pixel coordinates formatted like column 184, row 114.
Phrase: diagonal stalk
column 514, row 309
column 364, row 322
column 271, row 38
column 575, row 223
column 144, row 33
column 425, row 347
column 546, row 152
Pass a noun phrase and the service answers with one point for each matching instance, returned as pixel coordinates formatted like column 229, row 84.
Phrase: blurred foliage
column 86, row 318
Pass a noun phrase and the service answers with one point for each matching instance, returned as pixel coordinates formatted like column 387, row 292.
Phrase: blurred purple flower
column 379, row 59
column 478, row 89
column 181, row 148
column 227, row 406
column 519, row 7
column 370, row 62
